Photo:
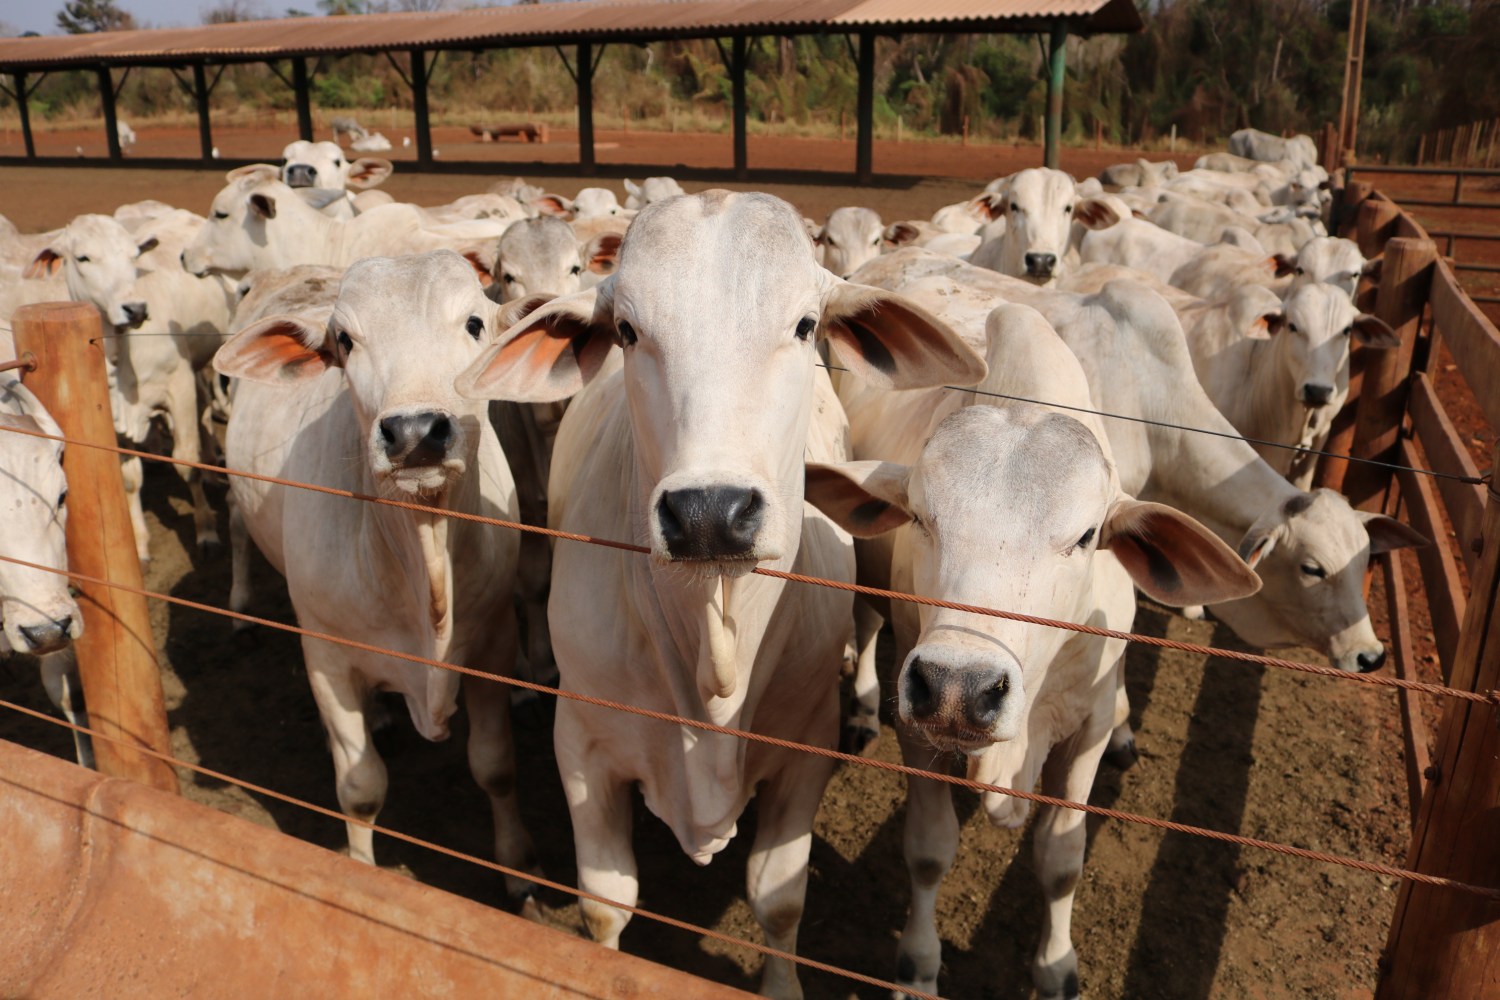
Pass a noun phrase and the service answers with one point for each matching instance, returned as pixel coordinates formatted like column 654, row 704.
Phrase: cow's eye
column 62, row 498
column 577, row 269
column 1068, row 210
column 346, row 342
column 828, row 241
column 221, row 215
column 475, row 326
column 805, row 327
column 627, row 333
column 1084, row 539
column 1314, row 570
column 1348, row 330
column 509, row 279
column 1300, row 272
column 875, row 242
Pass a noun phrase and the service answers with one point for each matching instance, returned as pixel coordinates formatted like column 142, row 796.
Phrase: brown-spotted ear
column 482, row 266
column 47, row 262
column 263, row 205
column 892, row 343
column 864, row 498
column 1095, row 213
column 1388, row 534
column 600, row 252
column 552, row 204
column 278, row 350
column 992, row 205
column 255, row 170
column 1174, row 559
column 550, row 354
column 1252, row 309
column 1372, row 331
column 901, row 233
column 1285, row 264
column 368, row 171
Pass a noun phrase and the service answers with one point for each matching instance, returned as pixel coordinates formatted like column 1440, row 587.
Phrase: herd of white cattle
column 650, row 372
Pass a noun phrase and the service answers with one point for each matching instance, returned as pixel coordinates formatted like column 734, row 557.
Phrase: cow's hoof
column 209, row 544
column 1057, row 981
column 857, row 739
column 1123, row 757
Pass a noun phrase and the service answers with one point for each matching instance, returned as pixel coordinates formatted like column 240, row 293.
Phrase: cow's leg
column 1121, row 753
column 492, row 760
column 182, row 405
column 862, row 727
column 776, row 877
column 240, row 589
column 599, row 804
column 930, row 843
column 357, row 767
column 60, row 678
column 1060, row 838
column 135, row 477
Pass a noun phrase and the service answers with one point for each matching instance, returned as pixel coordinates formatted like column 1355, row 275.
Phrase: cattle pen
column 1406, row 459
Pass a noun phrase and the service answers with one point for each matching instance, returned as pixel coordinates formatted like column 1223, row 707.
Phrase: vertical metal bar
column 423, row 120
column 737, row 73
column 1458, row 187
column 200, row 95
column 22, row 99
column 117, row 658
column 1058, row 59
column 584, row 60
column 111, row 123
column 864, row 111
column 304, row 98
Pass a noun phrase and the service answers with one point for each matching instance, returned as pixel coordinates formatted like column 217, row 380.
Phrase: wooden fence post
column 1445, row 943
column 1356, row 193
column 116, row 652
column 1376, row 223
column 1405, row 280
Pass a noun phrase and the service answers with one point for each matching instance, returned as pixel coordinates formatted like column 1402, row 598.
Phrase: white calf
column 849, row 237
column 1040, row 243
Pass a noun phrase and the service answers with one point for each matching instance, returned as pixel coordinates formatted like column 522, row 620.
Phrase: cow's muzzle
column 301, row 175
column 1315, row 395
column 712, row 522
column 136, row 313
column 414, row 440
column 959, row 700
column 48, row 637
column 1040, row 265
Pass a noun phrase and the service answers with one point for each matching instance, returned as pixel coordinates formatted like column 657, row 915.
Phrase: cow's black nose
column 417, row 439
column 715, row 522
column 1040, row 265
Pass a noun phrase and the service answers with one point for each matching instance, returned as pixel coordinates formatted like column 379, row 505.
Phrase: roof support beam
column 864, row 112
column 107, row 99
column 419, row 107
column 22, row 94
column 201, row 91
column 584, row 74
column 300, row 88
column 1057, row 58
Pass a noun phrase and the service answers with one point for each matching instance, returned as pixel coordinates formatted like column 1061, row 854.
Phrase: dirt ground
column 1301, row 760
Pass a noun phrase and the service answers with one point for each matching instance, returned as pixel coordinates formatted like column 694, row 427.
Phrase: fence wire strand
column 1170, row 826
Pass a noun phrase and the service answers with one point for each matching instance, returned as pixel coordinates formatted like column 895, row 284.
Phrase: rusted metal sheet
column 112, row 889
column 589, row 20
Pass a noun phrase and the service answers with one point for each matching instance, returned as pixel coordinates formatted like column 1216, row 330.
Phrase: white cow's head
column 849, row 238
column 1315, row 326
column 1040, row 208
column 591, row 203
column 322, row 165
column 1013, row 508
column 1311, row 553
column 543, row 256
column 650, row 190
column 254, row 223
column 1328, row 260
column 401, row 330
column 718, row 303
column 98, row 259
column 36, row 610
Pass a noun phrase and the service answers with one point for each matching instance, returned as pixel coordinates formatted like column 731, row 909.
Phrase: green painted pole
column 1058, row 56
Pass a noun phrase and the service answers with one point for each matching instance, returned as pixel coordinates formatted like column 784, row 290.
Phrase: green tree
column 82, row 17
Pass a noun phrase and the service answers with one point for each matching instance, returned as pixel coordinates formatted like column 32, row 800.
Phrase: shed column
column 200, row 96
column 419, row 107
column 864, row 112
column 737, row 79
column 21, row 101
column 585, row 74
column 304, row 98
column 107, row 99
column 1058, row 59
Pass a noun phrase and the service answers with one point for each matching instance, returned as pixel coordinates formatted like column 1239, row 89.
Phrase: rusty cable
column 249, row 786
column 1375, row 680
column 837, row 755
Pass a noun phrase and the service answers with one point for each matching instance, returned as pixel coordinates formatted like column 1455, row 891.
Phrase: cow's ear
column 1387, row 533
column 550, row 354
column 278, row 350
column 368, row 171
column 901, row 233
column 263, row 205
column 864, row 498
column 483, row 266
column 47, row 262
column 1252, row 309
column 600, row 252
column 1172, row 558
column 1285, row 264
column 552, row 204
column 508, row 314
column 1372, row 331
column 992, row 205
column 1096, row 213
column 146, row 246
column 892, row 343
column 254, row 171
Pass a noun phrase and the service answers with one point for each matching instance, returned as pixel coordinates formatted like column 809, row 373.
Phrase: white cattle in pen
column 257, row 222
column 1044, row 221
column 1019, row 508
column 323, row 165
column 1330, row 260
column 1309, row 549
column 589, row 203
column 1253, row 144
column 693, row 441
column 650, row 190
column 1206, row 223
column 849, row 237
column 476, row 207
column 1219, row 268
column 1142, row 173
column 969, row 216
column 361, row 398
column 1144, row 246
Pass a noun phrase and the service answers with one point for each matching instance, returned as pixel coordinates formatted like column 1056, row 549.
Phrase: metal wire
column 837, row 755
column 707, row 932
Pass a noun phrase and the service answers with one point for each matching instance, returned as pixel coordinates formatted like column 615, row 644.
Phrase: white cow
column 365, row 401
column 1206, row 223
column 1330, row 260
column 1019, row 508
column 1309, row 549
column 323, row 165
column 849, row 237
column 1145, row 246
column 1142, row 173
column 1254, row 144
column 590, row 203
column 1044, row 222
column 649, row 190
column 693, row 442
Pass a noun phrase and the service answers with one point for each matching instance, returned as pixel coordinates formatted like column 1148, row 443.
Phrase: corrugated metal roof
column 549, row 23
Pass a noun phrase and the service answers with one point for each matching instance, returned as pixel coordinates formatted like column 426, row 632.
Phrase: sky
column 41, row 15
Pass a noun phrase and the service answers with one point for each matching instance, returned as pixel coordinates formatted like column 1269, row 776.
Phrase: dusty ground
column 1301, row 760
